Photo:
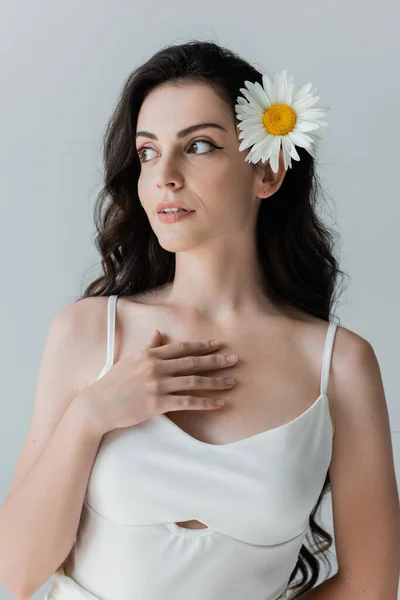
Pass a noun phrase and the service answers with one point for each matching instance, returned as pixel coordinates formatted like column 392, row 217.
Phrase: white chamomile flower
column 270, row 115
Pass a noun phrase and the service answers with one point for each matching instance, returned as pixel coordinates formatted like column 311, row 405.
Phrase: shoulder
column 353, row 367
column 359, row 374
column 349, row 350
column 79, row 318
column 87, row 320
column 354, row 364
column 355, row 388
column 81, row 328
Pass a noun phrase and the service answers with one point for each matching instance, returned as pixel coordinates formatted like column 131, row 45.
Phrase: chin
column 177, row 245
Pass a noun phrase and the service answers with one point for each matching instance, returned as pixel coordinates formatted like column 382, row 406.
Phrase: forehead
column 172, row 106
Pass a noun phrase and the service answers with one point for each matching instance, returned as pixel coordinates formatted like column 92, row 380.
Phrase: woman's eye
column 140, row 153
column 202, row 142
column 194, row 143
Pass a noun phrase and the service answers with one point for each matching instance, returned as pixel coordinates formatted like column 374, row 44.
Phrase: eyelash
column 139, row 150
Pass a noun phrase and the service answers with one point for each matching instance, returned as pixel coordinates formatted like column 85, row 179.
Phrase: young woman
column 134, row 484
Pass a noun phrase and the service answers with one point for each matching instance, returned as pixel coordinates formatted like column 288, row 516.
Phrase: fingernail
column 231, row 358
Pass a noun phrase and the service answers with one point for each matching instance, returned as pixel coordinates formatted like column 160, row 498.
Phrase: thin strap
column 326, row 359
column 111, row 316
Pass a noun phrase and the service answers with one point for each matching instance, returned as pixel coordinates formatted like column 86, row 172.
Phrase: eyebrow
column 183, row 132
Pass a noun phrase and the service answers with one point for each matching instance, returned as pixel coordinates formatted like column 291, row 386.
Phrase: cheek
column 141, row 186
column 144, row 190
column 225, row 199
column 233, row 183
column 227, row 178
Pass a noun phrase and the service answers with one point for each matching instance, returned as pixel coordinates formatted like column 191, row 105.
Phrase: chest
column 276, row 379
column 273, row 416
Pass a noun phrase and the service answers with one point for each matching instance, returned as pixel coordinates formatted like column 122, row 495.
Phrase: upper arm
column 365, row 498
column 59, row 380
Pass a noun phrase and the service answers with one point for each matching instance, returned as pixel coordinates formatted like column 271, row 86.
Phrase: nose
column 168, row 173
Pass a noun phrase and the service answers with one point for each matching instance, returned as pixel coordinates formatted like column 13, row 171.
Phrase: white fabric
column 255, row 495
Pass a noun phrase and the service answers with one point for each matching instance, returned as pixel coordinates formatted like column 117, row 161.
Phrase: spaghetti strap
column 326, row 360
column 111, row 318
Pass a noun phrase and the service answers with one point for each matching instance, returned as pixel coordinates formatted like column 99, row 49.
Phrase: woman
column 155, row 491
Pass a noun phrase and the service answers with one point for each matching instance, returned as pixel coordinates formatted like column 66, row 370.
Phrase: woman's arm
column 40, row 515
column 365, row 498
column 39, row 521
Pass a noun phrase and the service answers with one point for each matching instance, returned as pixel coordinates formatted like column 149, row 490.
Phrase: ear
column 269, row 182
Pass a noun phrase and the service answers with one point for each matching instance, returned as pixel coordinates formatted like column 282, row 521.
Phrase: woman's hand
column 140, row 387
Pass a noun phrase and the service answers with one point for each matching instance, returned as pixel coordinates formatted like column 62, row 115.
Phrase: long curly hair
column 295, row 248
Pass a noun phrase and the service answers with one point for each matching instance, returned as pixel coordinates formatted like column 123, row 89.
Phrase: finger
column 179, row 349
column 194, row 382
column 156, row 339
column 188, row 364
column 186, row 402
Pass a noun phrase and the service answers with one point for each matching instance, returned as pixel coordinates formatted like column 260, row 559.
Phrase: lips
column 175, row 217
column 161, row 211
column 164, row 205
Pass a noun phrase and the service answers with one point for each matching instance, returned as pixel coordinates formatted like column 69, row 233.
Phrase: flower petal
column 289, row 93
column 281, row 85
column 305, row 126
column 250, row 98
column 256, row 136
column 305, row 103
column 251, row 95
column 311, row 151
column 286, row 86
column 269, row 88
column 286, row 155
column 248, row 111
column 302, row 92
column 251, row 124
column 253, row 156
column 268, row 146
column 274, row 160
column 244, row 144
column 261, row 95
column 312, row 113
column 300, row 139
column 260, row 148
column 286, row 141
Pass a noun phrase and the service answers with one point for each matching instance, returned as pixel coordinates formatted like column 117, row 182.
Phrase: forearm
column 336, row 588
column 39, row 521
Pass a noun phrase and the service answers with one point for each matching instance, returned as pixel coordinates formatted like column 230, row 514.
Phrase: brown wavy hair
column 295, row 248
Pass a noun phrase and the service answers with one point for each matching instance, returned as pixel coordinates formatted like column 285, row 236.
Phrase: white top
column 255, row 495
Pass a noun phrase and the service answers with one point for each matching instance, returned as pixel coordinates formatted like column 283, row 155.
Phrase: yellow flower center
column 279, row 119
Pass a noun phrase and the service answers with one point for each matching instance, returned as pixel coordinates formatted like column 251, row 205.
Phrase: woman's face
column 203, row 169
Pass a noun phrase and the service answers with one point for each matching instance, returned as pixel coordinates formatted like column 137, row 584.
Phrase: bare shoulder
column 356, row 391
column 354, row 369
column 88, row 317
column 359, row 391
column 354, row 366
column 81, row 327
column 80, row 313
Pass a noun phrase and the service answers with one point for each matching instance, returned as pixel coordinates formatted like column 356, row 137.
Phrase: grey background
column 62, row 66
